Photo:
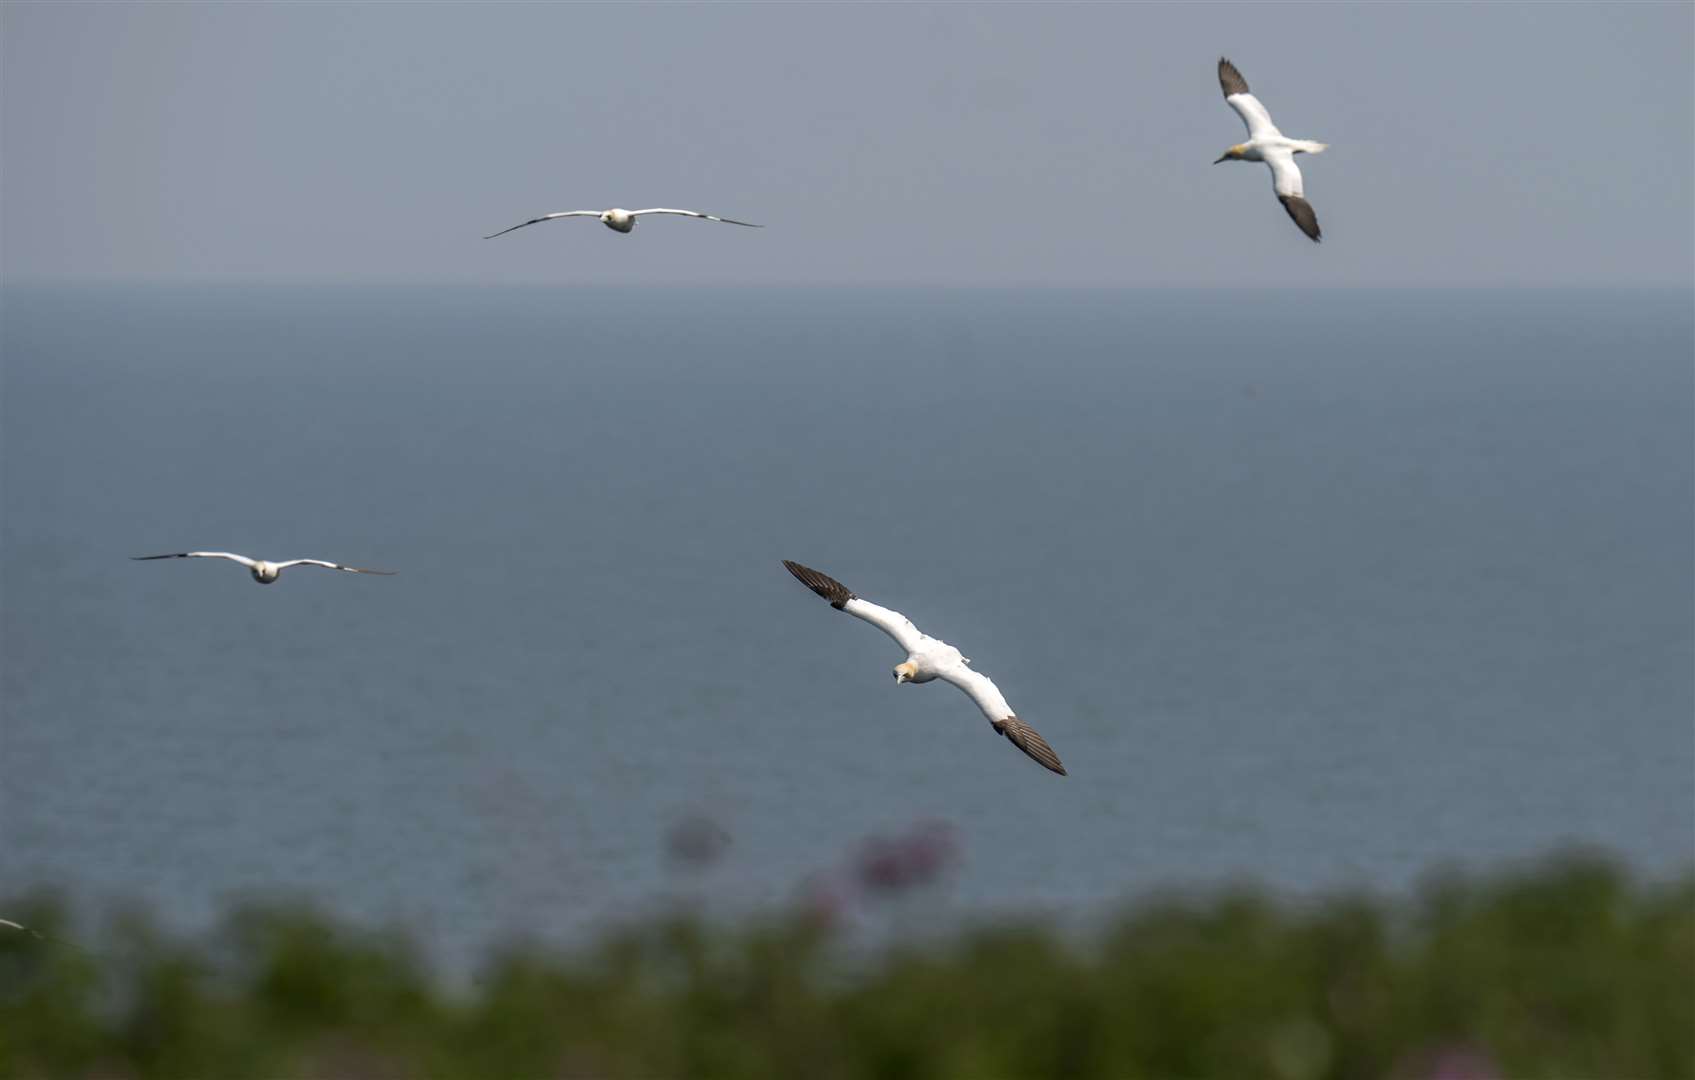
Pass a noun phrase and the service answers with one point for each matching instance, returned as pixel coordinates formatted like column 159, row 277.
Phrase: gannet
column 1265, row 143
column 263, row 572
column 620, row 220
column 21, row 928
column 38, row 935
column 931, row 658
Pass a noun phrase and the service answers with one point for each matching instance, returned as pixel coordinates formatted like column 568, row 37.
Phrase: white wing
column 39, row 936
column 1253, row 114
column 1286, row 181
column 242, row 559
column 889, row 621
column 694, row 213
column 981, row 689
column 988, row 697
column 331, row 566
column 892, row 623
column 1285, row 174
column 30, row 930
column 546, row 217
column 1239, row 97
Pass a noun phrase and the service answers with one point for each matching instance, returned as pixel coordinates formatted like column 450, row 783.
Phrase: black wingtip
column 1302, row 214
column 1026, row 738
column 1230, row 80
column 821, row 583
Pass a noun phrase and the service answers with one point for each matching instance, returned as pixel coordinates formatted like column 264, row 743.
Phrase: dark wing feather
column 521, row 224
column 1230, row 80
column 327, row 565
column 39, row 936
column 822, row 584
column 1301, row 212
column 1024, row 737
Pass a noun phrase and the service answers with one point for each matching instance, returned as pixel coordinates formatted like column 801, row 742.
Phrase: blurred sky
column 1519, row 144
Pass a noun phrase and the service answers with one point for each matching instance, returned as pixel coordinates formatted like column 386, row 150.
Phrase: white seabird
column 620, row 220
column 38, row 935
column 1265, row 143
column 263, row 572
column 931, row 658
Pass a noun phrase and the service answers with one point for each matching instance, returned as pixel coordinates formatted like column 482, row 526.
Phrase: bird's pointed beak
column 1222, row 157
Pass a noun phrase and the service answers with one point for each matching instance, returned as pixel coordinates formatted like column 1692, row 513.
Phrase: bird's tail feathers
column 1307, row 146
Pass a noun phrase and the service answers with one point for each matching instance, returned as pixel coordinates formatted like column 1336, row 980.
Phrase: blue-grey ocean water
column 1309, row 588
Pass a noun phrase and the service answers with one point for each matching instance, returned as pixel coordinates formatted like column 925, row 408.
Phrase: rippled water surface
column 1312, row 588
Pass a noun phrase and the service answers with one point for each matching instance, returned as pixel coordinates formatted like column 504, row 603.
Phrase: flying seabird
column 263, row 572
column 38, row 935
column 620, row 220
column 1265, row 143
column 931, row 658
column 21, row 928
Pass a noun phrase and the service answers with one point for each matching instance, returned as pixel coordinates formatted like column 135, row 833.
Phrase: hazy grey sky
column 965, row 144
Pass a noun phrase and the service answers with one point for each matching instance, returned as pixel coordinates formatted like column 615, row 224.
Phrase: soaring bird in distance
column 620, row 220
column 22, row 929
column 263, row 572
column 931, row 658
column 1265, row 143
column 38, row 935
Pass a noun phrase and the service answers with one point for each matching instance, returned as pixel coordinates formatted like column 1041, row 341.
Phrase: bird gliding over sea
column 1265, row 143
column 620, row 220
column 931, row 658
column 263, row 572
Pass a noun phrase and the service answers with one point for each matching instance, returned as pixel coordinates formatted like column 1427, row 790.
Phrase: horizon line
column 9, row 281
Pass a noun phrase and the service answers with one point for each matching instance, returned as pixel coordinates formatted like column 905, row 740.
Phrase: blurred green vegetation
column 1567, row 969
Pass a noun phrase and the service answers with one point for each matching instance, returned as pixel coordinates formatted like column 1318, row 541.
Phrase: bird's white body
column 929, row 658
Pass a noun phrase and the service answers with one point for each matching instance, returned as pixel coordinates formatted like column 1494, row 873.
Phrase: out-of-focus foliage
column 1568, row 970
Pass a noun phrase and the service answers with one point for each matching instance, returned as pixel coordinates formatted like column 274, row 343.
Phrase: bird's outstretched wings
column 546, row 217
column 988, row 697
column 39, row 936
column 242, row 559
column 979, row 687
column 332, row 566
column 1248, row 107
column 694, row 213
column 890, row 622
column 22, row 929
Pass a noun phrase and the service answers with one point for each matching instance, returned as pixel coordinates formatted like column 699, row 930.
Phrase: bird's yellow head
column 1232, row 154
column 905, row 671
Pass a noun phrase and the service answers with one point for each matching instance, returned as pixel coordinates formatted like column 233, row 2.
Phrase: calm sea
column 1309, row 588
